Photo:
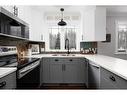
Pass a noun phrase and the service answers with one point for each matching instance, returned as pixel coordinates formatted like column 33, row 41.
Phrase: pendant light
column 61, row 22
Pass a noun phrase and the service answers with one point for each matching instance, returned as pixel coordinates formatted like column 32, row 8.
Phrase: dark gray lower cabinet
column 56, row 74
column 93, row 76
column 8, row 82
column 45, row 72
column 75, row 71
column 64, row 70
column 110, row 80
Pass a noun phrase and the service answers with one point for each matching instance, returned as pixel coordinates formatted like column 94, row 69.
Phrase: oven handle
column 22, row 72
column 32, row 67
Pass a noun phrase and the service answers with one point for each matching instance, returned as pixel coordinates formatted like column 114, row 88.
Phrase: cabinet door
column 94, row 76
column 113, row 81
column 56, row 74
column 8, row 82
column 74, row 71
column 45, row 71
column 94, row 24
column 106, row 85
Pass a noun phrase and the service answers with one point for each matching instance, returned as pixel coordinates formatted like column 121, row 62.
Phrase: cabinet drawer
column 56, row 60
column 113, row 79
column 74, row 60
column 8, row 82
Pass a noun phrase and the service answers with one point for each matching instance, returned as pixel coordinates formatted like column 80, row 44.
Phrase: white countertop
column 58, row 55
column 6, row 70
column 115, row 65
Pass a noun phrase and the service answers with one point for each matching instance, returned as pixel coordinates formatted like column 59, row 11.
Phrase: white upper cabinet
column 37, row 26
column 35, row 20
column 94, row 24
column 9, row 8
column 24, row 13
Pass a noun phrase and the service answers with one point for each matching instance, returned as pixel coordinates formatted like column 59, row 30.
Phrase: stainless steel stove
column 28, row 70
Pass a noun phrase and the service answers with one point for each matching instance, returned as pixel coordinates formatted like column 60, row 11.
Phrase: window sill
column 62, row 50
column 120, row 53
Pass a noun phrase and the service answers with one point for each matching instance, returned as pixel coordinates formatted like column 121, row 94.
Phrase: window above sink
column 58, row 35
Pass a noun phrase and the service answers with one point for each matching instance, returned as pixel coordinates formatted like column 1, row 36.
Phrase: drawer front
column 74, row 60
column 63, row 60
column 8, row 82
column 53, row 60
column 106, row 85
column 113, row 79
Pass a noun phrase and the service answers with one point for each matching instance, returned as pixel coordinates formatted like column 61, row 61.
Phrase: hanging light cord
column 62, row 15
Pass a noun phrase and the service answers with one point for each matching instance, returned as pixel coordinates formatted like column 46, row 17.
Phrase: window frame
column 117, row 23
column 62, row 37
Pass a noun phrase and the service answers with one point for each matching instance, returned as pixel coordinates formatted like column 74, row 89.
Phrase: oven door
column 29, row 79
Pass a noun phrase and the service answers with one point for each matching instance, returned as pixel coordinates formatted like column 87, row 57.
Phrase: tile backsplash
column 88, row 47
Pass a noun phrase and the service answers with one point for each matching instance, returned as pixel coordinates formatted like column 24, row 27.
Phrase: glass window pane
column 54, row 37
column 122, row 38
column 70, row 34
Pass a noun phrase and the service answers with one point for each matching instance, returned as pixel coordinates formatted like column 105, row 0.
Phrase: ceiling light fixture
column 61, row 22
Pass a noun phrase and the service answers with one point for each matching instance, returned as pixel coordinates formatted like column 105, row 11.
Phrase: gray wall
column 109, row 48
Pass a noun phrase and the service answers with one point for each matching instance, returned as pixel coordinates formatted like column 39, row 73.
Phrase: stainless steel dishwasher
column 93, row 76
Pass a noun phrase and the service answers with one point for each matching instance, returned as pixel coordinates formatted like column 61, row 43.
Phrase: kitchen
column 63, row 47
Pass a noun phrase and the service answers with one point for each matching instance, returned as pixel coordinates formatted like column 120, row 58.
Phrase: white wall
column 109, row 48
column 70, row 11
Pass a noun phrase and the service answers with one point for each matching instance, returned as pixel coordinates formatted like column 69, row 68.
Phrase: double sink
column 63, row 55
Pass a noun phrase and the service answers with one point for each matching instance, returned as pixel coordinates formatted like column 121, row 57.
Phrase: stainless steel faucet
column 67, row 45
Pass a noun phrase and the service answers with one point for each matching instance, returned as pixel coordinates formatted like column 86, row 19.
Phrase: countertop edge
column 13, row 69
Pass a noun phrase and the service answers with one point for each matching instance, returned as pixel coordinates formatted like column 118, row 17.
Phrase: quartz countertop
column 55, row 55
column 116, row 65
column 4, row 71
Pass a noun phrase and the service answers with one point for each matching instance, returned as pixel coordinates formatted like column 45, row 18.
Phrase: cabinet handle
column 2, row 84
column 63, row 67
column 56, row 60
column 112, row 78
column 70, row 60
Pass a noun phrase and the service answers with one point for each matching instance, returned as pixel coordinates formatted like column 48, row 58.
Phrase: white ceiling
column 117, row 9
column 72, row 8
column 67, row 8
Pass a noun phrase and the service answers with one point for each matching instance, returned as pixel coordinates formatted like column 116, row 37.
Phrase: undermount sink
column 63, row 55
column 67, row 55
column 55, row 55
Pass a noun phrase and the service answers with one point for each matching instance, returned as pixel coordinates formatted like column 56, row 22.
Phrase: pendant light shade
column 61, row 22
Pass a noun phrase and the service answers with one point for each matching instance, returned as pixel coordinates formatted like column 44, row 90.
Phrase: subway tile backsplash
column 88, row 47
